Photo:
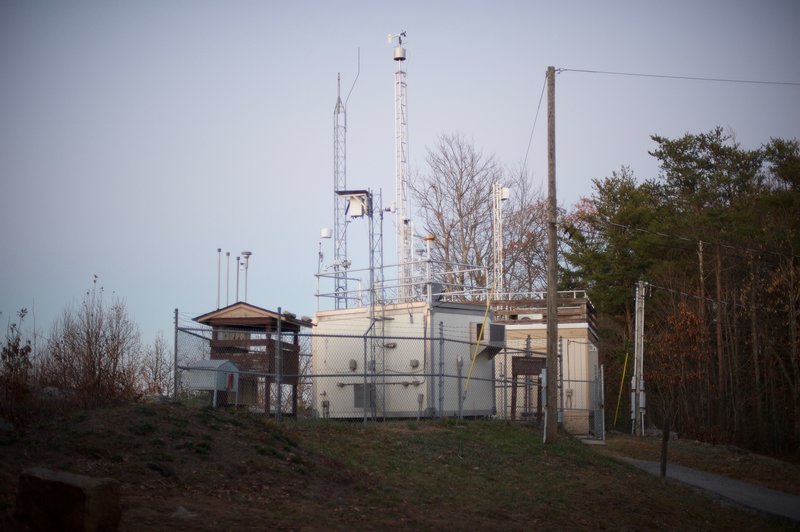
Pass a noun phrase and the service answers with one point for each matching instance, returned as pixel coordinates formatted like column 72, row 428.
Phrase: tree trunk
column 664, row 445
column 793, row 344
column 702, row 299
column 754, row 346
column 720, row 347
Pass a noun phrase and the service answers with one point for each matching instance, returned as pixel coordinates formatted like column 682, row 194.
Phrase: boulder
column 57, row 500
column 6, row 426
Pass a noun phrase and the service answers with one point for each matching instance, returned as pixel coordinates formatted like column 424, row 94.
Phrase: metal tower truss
column 403, row 218
column 377, row 304
column 340, row 261
column 499, row 194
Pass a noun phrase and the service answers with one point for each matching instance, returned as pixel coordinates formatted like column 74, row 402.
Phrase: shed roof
column 243, row 315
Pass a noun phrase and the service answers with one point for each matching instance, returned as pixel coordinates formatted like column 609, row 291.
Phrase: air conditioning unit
column 491, row 338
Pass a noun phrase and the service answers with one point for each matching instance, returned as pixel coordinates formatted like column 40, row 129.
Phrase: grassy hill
column 199, row 469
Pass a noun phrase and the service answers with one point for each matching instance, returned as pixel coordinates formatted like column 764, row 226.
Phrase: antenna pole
column 246, row 255
column 219, row 260
column 237, row 278
column 403, row 222
column 339, row 203
column 227, row 278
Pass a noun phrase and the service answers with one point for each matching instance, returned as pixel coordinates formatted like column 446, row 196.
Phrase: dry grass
column 233, row 470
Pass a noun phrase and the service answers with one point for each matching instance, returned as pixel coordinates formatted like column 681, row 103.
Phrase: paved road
column 749, row 495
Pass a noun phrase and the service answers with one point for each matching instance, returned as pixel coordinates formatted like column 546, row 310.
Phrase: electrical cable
column 535, row 119
column 684, row 78
column 693, row 240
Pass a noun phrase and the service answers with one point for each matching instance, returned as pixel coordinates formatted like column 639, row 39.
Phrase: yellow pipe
column 621, row 382
column 477, row 343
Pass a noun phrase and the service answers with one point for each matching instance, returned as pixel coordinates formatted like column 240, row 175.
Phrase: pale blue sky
column 138, row 137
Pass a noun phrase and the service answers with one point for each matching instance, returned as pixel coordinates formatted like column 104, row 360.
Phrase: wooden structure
column 574, row 307
column 247, row 335
column 525, row 319
column 526, row 367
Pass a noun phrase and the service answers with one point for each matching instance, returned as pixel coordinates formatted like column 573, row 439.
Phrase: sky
column 137, row 138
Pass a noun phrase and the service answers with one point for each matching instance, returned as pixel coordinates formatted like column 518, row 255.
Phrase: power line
column 697, row 240
column 535, row 119
column 712, row 300
column 685, row 78
column 695, row 296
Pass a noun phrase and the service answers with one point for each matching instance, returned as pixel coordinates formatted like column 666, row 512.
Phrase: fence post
column 601, row 401
column 561, row 379
column 528, row 395
column 504, row 384
column 364, row 370
column 441, row 369
column 279, row 369
column 459, row 364
column 175, row 362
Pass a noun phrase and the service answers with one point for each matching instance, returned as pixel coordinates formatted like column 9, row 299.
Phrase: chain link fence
column 371, row 377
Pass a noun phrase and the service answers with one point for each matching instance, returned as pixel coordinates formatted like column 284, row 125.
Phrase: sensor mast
column 403, row 219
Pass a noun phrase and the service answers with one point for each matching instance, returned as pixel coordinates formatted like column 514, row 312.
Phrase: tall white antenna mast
column 403, row 220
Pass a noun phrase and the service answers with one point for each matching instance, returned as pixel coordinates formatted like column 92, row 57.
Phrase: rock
column 182, row 513
column 51, row 392
column 57, row 500
column 6, row 426
column 163, row 469
column 156, row 399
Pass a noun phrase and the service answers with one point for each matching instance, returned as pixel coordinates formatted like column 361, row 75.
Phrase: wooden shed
column 247, row 335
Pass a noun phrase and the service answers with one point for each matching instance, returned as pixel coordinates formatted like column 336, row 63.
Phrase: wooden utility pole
column 551, row 430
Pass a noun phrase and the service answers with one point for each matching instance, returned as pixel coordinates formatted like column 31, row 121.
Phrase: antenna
column 227, row 278
column 219, row 261
column 238, row 267
column 499, row 195
column 398, row 36
column 246, row 256
column 402, row 221
column 340, row 261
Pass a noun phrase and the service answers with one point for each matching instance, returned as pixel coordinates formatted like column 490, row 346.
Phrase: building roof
column 243, row 315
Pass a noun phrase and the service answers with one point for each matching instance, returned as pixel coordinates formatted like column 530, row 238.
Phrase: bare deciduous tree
column 15, row 366
column 525, row 235
column 156, row 368
column 455, row 204
column 94, row 351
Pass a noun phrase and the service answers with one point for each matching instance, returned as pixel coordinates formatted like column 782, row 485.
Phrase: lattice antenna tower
column 340, row 261
column 404, row 229
column 339, row 183
column 499, row 195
